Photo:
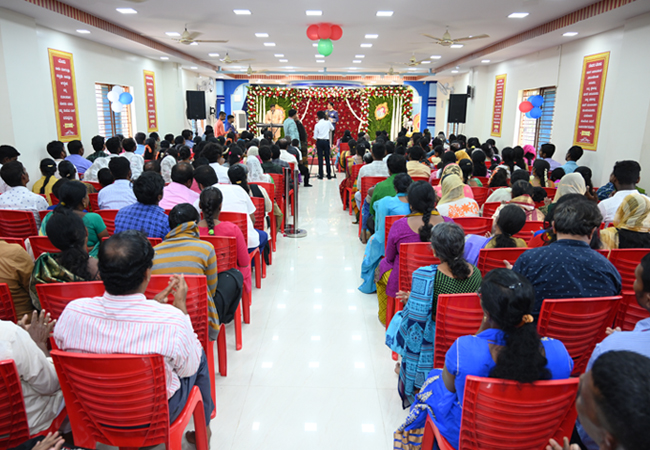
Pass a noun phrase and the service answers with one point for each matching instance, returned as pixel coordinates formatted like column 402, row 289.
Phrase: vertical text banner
column 65, row 95
column 590, row 102
column 497, row 110
column 150, row 92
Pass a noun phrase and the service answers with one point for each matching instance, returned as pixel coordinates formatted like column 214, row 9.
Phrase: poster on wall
column 497, row 109
column 65, row 95
column 590, row 102
column 150, row 92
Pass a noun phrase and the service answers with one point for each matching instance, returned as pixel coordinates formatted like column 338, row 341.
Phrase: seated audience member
column 179, row 190
column 436, row 153
column 26, row 345
column 453, row 202
column 184, row 154
column 145, row 215
column 540, row 174
column 73, row 197
column 267, row 165
column 449, row 169
column 557, row 174
column 283, row 145
column 98, row 145
column 275, row 157
column 568, row 267
column 572, row 157
column 120, row 193
column 187, row 137
column 7, row 155
column 169, row 160
column 114, row 147
column 291, row 154
column 396, row 165
column 448, row 158
column 16, row 268
column 522, row 196
column 376, row 168
column 546, row 153
column 506, row 346
column 479, row 168
column 136, row 161
column 539, row 195
column 625, row 176
column 140, row 139
column 105, row 177
column 150, row 150
column 416, row 227
column 417, row 165
column 467, row 169
column 214, row 153
column 453, row 275
column 125, row 262
column 56, row 150
column 76, row 150
column 44, row 184
column 631, row 224
column 18, row 197
column 68, row 233
column 572, row 183
column 586, row 174
column 235, row 156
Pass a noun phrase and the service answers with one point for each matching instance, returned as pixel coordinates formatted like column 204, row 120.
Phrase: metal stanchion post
column 293, row 231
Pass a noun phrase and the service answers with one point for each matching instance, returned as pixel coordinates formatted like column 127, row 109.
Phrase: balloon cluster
column 119, row 98
column 324, row 33
column 532, row 106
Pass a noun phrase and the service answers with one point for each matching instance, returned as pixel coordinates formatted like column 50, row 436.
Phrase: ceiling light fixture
column 193, row 67
column 126, row 10
column 194, row 43
column 173, row 34
column 242, row 12
column 315, row 44
column 517, row 15
column 320, row 56
column 356, row 61
column 454, row 71
column 283, row 60
column 213, row 55
column 320, row 60
column 426, row 62
column 261, row 34
column 269, row 44
column 435, row 57
column 359, row 56
column 384, row 13
column 366, row 45
column 279, row 55
column 456, row 46
column 372, row 36
column 485, row 61
column 164, row 58
column 83, row 31
column 314, row 12
column 567, row 34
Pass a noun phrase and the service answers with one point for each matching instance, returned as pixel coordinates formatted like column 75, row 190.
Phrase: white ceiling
column 400, row 36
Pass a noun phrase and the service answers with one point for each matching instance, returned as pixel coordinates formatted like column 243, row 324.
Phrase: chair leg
column 390, row 306
column 258, row 271
column 263, row 265
column 238, row 335
column 246, row 301
column 213, row 387
column 274, row 231
column 221, row 350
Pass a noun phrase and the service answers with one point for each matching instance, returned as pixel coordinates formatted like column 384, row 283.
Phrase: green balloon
column 325, row 47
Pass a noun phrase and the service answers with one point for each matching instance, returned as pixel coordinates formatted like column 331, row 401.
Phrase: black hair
column 105, row 177
column 237, row 175
column 182, row 213
column 402, row 182
column 222, row 113
column 539, row 194
column 182, row 173
column 7, row 152
column 540, row 170
column 507, row 297
column 184, row 153
column 508, row 158
column 148, row 187
column 467, row 168
column 292, row 112
column 547, row 150
column 586, row 175
column 48, row 169
column 416, row 153
column 212, row 152
column 210, row 202
column 510, row 221
column 478, row 160
column 155, row 135
column 522, row 187
column 205, row 176
column 645, row 276
column 378, row 150
column 140, row 137
column 473, row 142
column 150, row 148
column 422, row 199
column 179, row 140
column 448, row 242
column 169, row 137
column 447, row 158
column 173, row 152
column 518, row 152
column 67, row 232
column 74, row 147
column 499, row 178
column 390, row 147
column 438, row 150
column 67, row 170
column 123, row 261
column 578, row 218
column 396, row 164
column 113, row 145
column 56, row 186
column 165, row 144
column 119, row 167
column 129, row 145
column 265, row 153
column 55, row 148
column 283, row 143
column 187, row 134
column 519, row 175
column 200, row 161
column 235, row 155
column 360, row 149
column 557, row 174
column 71, row 195
column 550, row 217
column 575, row 153
column 320, row 115
column 627, row 172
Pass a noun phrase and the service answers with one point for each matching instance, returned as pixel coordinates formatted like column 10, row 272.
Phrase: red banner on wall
column 590, row 103
column 65, row 95
column 497, row 109
column 150, row 92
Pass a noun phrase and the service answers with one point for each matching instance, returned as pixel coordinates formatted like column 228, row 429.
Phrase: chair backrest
column 388, row 224
column 225, row 248
column 550, row 192
column 354, row 171
column 53, row 199
column 14, row 429
column 108, row 215
column 118, row 400
column 54, row 297
column 278, row 180
column 492, row 258
column 7, row 309
column 629, row 312
column 44, row 213
column 625, row 260
column 526, row 415
column 42, row 244
column 152, row 240
column 480, row 194
column 259, row 212
column 96, row 185
column 367, row 183
column 604, row 251
column 435, row 182
column 17, row 224
column 530, row 227
column 12, row 240
column 475, row 225
column 268, row 187
column 425, row 179
column 489, row 208
column 484, row 181
column 238, row 219
column 94, row 202
column 412, row 256
column 579, row 323
column 456, row 315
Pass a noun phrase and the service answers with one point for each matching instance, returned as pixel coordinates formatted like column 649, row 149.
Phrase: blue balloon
column 528, row 114
column 536, row 100
column 126, row 98
column 535, row 113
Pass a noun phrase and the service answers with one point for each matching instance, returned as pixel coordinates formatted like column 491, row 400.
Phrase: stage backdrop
column 368, row 109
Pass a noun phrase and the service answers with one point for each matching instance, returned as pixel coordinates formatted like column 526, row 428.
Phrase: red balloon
column 324, row 31
column 526, row 106
column 337, row 32
column 312, row 32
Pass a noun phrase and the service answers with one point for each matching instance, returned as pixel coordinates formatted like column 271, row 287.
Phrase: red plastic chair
column 529, row 229
column 121, row 400
column 44, row 213
column 96, row 185
column 550, row 192
column 629, row 312
column 347, row 196
column 11, row 240
column 484, row 181
column 456, row 315
column 480, row 194
column 108, row 215
column 579, row 323
column 17, row 224
column 152, row 240
column 425, row 179
column 366, row 184
column 270, row 189
column 53, row 200
column 604, row 252
column 14, row 428
column 7, row 310
column 42, row 244
column 492, row 258
column 278, row 180
column 388, row 224
column 435, row 182
column 475, row 225
column 260, row 214
column 508, row 415
column 94, row 202
column 240, row 220
column 489, row 208
column 54, row 297
column 625, row 261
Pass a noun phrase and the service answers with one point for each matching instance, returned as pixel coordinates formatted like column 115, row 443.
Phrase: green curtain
column 384, row 124
column 283, row 102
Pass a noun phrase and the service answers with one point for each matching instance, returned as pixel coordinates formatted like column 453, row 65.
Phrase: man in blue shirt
column 572, row 157
column 568, row 267
column 333, row 116
column 229, row 126
column 290, row 127
column 140, row 137
column 145, row 215
column 76, row 150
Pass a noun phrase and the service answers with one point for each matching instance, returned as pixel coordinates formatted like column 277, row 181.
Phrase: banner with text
column 150, row 92
column 590, row 102
column 65, row 95
column 497, row 110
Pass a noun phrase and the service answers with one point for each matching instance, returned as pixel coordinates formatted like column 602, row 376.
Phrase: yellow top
column 36, row 189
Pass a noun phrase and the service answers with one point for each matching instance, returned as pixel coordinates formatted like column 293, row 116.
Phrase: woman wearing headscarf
column 522, row 196
column 456, row 170
column 631, row 224
column 453, row 202
column 255, row 172
column 572, row 183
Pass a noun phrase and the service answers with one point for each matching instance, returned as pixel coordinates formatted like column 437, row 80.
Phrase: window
column 110, row 122
column 536, row 132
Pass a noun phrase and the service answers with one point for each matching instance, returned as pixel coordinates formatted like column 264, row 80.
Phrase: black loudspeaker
column 195, row 105
column 457, row 108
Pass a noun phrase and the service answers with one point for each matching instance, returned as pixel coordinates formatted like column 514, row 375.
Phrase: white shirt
column 288, row 157
column 166, row 168
column 609, row 206
column 22, row 199
column 235, row 199
column 374, row 169
column 40, row 385
column 322, row 129
column 137, row 164
column 116, row 195
column 222, row 173
column 99, row 164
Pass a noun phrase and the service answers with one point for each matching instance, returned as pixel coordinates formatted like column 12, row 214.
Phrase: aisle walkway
column 314, row 372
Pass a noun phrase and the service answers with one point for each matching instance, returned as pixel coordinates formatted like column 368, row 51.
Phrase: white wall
column 625, row 120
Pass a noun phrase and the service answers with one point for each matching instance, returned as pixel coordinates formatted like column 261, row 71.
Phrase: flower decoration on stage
column 532, row 107
column 381, row 111
column 325, row 33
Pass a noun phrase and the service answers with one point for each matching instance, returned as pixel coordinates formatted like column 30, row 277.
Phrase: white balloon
column 113, row 97
column 118, row 90
column 116, row 107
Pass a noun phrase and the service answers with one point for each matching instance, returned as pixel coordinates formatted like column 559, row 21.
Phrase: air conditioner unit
column 241, row 121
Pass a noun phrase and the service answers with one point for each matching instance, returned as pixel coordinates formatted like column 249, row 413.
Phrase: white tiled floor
column 314, row 372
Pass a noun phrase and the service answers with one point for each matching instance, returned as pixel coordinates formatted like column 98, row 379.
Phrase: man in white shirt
column 214, row 154
column 625, row 176
column 120, row 193
column 18, row 197
column 136, row 161
column 377, row 168
column 322, row 135
column 7, row 154
column 114, row 147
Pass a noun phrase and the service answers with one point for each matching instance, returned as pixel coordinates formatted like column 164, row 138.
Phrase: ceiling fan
column 227, row 60
column 392, row 71
column 250, row 70
column 188, row 38
column 447, row 40
column 413, row 62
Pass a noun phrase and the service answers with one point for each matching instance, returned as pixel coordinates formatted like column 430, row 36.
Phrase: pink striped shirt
column 131, row 324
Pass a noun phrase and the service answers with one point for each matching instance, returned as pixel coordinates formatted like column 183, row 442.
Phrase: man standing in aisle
column 219, row 129
column 302, row 133
column 322, row 132
column 229, row 126
column 290, row 127
column 333, row 116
